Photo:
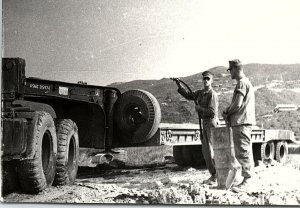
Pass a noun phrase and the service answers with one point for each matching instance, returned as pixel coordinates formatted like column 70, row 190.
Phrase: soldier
column 241, row 116
column 207, row 108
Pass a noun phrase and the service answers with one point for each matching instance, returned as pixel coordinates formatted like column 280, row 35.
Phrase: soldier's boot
column 242, row 187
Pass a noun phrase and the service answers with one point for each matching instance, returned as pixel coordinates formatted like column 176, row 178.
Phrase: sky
column 106, row 41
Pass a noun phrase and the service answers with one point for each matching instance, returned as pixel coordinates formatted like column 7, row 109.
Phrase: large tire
column 198, row 159
column 268, row 151
column 189, row 155
column 68, row 152
column 137, row 116
column 281, row 152
column 178, row 155
column 38, row 173
column 256, row 151
column 9, row 180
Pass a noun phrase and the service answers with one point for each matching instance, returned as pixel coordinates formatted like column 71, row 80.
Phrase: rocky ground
column 273, row 184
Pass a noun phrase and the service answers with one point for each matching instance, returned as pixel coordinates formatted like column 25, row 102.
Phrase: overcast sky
column 105, row 41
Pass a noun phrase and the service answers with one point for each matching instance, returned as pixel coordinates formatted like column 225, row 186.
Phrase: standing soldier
column 241, row 116
column 207, row 108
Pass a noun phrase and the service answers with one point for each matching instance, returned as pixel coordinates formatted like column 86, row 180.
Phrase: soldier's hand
column 177, row 81
column 225, row 116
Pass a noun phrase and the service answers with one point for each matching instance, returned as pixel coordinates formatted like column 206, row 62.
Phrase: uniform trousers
column 207, row 149
column 243, row 148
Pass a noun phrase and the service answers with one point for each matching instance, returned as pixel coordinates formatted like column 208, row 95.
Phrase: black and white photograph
column 150, row 102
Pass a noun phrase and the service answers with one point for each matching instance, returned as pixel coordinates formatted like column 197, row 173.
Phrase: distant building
column 285, row 107
column 183, row 100
column 82, row 82
column 225, row 75
column 197, row 80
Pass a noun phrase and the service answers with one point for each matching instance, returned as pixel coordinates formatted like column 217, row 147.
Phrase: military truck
column 45, row 122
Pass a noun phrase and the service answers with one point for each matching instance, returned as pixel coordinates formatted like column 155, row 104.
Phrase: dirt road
column 170, row 184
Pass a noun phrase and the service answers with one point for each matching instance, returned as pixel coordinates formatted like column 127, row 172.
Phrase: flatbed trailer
column 267, row 144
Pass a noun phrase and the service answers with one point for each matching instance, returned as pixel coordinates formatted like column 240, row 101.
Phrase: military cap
column 207, row 74
column 234, row 63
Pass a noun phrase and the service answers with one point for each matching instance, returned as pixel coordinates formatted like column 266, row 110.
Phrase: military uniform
column 241, row 123
column 208, row 99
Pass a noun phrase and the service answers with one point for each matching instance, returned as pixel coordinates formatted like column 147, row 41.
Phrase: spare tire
column 137, row 116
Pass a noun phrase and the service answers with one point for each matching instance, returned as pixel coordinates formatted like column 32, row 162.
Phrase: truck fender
column 35, row 106
column 31, row 141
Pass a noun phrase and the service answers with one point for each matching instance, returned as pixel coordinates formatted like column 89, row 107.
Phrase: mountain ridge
column 273, row 84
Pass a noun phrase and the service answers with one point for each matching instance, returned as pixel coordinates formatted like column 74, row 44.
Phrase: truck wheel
column 198, row 159
column 256, row 151
column 137, row 115
column 281, row 152
column 68, row 152
column 267, row 151
column 193, row 156
column 178, row 155
column 187, row 155
column 38, row 173
column 9, row 181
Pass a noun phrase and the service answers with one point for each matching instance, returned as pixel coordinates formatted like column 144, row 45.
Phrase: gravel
column 274, row 184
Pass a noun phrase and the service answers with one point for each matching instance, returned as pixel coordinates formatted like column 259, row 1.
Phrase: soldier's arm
column 236, row 104
column 187, row 95
column 212, row 108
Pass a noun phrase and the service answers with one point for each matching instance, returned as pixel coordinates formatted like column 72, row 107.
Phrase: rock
column 197, row 193
column 261, row 199
column 153, row 197
column 245, row 199
column 166, row 180
column 169, row 159
column 200, row 199
column 194, row 189
column 172, row 196
column 291, row 200
column 275, row 200
column 191, row 170
column 186, row 199
column 153, row 185
column 233, row 200
column 76, row 200
column 184, row 185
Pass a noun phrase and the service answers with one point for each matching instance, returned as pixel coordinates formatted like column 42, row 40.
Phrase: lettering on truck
column 40, row 86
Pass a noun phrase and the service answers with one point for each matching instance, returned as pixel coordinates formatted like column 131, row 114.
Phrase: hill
column 274, row 85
